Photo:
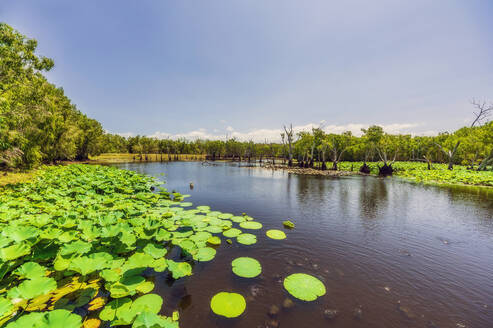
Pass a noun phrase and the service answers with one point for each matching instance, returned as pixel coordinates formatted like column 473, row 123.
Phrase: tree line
column 39, row 124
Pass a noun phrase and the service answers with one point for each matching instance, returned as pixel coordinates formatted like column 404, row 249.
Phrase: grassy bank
column 438, row 174
column 136, row 158
column 7, row 178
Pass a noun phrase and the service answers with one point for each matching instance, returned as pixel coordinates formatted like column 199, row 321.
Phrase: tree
column 338, row 144
column 449, row 149
column 289, row 138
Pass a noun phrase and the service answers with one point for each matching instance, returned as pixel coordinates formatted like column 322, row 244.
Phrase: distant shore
column 309, row 171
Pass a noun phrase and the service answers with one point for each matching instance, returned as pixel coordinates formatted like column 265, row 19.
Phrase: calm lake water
column 391, row 253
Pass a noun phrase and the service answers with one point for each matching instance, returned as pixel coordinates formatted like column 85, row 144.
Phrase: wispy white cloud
column 274, row 135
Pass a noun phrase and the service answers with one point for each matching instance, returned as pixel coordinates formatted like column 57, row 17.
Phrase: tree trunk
column 385, row 170
column 365, row 168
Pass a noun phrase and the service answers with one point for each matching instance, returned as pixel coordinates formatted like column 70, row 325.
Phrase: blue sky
column 245, row 68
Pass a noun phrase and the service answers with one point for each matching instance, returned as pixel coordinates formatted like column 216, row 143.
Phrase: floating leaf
column 251, row 225
column 246, row 267
column 110, row 310
column 76, row 247
column 231, row 233
column 156, row 251
column 30, row 270
column 61, row 319
column 205, row 254
column 276, row 234
column 32, row 288
column 152, row 320
column 5, row 306
column 288, row 224
column 92, row 323
column 179, row 269
column 304, row 286
column 214, row 240
column 229, row 305
column 246, row 239
column 96, row 303
column 14, row 251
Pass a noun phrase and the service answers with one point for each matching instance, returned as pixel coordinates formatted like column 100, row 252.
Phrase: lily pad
column 214, row 240
column 179, row 269
column 288, row 224
column 229, row 305
column 246, row 239
column 276, row 234
column 251, row 225
column 231, row 233
column 246, row 267
column 32, row 288
column 205, row 254
column 30, row 270
column 304, row 287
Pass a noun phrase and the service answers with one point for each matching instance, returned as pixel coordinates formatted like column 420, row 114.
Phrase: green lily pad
column 205, row 254
column 156, row 251
column 251, row 225
column 152, row 320
column 229, row 305
column 276, row 234
column 214, row 240
column 179, row 269
column 288, row 224
column 231, row 233
column 246, row 239
column 52, row 319
column 14, row 251
column 246, row 267
column 30, row 270
column 32, row 288
column 6, row 306
column 304, row 287
column 77, row 247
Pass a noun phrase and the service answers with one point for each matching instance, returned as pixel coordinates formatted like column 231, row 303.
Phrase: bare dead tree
column 482, row 112
column 289, row 134
column 450, row 154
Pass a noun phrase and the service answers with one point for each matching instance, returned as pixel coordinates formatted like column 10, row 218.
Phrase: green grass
column 7, row 178
column 418, row 172
column 109, row 158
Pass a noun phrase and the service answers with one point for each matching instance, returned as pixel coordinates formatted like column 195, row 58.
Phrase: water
column 407, row 255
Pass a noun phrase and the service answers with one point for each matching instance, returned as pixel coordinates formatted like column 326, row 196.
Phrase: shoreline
column 308, row 171
column 340, row 173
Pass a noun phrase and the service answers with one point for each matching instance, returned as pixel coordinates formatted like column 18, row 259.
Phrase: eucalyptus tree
column 338, row 144
column 287, row 137
column 448, row 146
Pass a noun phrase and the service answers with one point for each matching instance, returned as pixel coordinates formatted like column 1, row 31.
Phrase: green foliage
column 229, row 305
column 275, row 234
column 246, row 267
column 304, row 286
column 77, row 230
column 439, row 173
column 288, row 224
column 38, row 123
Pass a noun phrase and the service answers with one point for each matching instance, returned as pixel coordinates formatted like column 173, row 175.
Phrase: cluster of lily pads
column 300, row 285
column 82, row 244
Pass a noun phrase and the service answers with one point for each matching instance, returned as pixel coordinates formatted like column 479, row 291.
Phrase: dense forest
column 40, row 124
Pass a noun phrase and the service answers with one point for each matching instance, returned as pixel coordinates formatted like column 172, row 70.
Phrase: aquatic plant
column 275, row 234
column 229, row 305
column 81, row 237
column 246, row 267
column 304, row 287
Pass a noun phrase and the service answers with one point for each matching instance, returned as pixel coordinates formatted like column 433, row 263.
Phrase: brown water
column 406, row 255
